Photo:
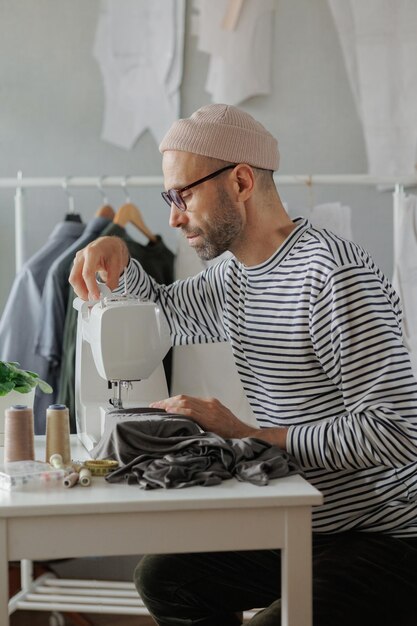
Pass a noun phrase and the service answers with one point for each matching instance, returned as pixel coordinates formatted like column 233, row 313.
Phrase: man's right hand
column 106, row 255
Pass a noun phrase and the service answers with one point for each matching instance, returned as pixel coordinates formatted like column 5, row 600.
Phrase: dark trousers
column 359, row 579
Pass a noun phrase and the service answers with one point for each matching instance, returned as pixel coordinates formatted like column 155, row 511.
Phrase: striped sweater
column 316, row 337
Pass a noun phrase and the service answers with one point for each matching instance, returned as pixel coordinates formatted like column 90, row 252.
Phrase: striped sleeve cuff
column 293, row 447
column 304, row 443
column 129, row 278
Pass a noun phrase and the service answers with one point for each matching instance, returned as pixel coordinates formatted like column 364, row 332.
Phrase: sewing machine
column 121, row 342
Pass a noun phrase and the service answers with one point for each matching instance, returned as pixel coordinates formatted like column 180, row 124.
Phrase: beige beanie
column 224, row 132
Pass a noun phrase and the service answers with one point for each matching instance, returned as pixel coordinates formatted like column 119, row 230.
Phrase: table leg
column 4, row 575
column 296, row 569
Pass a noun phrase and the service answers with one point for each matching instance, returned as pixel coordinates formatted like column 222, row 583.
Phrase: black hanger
column 71, row 216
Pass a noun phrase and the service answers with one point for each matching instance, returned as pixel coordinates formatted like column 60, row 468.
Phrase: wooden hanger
column 106, row 211
column 129, row 213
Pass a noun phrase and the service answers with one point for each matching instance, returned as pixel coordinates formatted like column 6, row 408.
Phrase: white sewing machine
column 121, row 342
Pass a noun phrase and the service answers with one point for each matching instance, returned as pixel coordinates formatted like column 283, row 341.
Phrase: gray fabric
column 50, row 333
column 56, row 291
column 22, row 316
column 158, row 449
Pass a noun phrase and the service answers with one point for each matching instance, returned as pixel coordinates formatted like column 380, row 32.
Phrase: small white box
column 29, row 475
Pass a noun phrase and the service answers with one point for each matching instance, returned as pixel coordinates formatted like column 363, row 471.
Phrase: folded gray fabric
column 156, row 449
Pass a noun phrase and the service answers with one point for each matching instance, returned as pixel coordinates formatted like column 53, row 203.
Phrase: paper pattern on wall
column 139, row 48
column 334, row 216
column 240, row 59
column 379, row 45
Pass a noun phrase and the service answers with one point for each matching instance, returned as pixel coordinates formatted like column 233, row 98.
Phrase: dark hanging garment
column 50, row 334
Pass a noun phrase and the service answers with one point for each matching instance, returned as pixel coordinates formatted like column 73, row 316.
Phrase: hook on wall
column 309, row 185
column 101, row 190
column 19, row 178
column 71, row 201
column 125, row 190
column 71, row 215
column 19, row 188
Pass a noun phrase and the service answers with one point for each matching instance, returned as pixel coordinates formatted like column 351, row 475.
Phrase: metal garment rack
column 48, row 593
column 20, row 184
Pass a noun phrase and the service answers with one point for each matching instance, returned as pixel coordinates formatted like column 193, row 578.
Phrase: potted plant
column 17, row 386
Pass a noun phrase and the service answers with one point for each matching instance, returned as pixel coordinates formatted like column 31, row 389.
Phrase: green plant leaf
column 44, row 386
column 6, row 388
column 12, row 376
column 24, row 388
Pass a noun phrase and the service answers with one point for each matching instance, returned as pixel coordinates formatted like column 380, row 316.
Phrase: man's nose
column 177, row 218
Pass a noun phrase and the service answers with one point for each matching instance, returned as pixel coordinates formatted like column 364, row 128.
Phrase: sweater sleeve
column 356, row 335
column 193, row 307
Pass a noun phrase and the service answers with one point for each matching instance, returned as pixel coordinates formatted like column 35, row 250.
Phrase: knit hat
column 224, row 132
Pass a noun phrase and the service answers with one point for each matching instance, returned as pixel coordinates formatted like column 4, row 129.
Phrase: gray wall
column 51, row 103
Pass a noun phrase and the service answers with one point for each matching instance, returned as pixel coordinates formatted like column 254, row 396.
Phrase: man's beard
column 225, row 225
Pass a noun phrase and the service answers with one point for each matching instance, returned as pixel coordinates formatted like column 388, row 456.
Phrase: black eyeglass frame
column 173, row 196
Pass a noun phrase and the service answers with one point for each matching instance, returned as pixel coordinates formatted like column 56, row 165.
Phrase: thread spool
column 85, row 477
column 19, row 437
column 58, row 433
column 56, row 461
column 71, row 480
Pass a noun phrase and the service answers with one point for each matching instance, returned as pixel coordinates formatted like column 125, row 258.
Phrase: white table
column 110, row 520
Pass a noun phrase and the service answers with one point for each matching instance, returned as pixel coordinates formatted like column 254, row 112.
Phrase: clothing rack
column 20, row 183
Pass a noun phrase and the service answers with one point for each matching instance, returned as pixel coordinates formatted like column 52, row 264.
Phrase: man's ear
column 245, row 181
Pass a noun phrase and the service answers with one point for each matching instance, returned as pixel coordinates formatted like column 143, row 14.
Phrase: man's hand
column 107, row 255
column 214, row 417
column 209, row 413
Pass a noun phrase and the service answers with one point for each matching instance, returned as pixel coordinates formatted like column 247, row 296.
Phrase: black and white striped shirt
column 316, row 336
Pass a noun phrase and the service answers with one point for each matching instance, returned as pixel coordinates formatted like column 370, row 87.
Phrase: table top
column 103, row 497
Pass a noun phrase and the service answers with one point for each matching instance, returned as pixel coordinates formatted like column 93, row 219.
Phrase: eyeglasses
column 174, row 195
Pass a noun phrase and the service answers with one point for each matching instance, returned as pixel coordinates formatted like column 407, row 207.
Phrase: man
column 315, row 332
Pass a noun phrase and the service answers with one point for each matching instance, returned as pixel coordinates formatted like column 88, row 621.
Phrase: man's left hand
column 208, row 413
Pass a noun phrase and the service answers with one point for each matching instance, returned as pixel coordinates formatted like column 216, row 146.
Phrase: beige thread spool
column 71, row 480
column 85, row 477
column 56, row 461
column 19, row 438
column 57, row 432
